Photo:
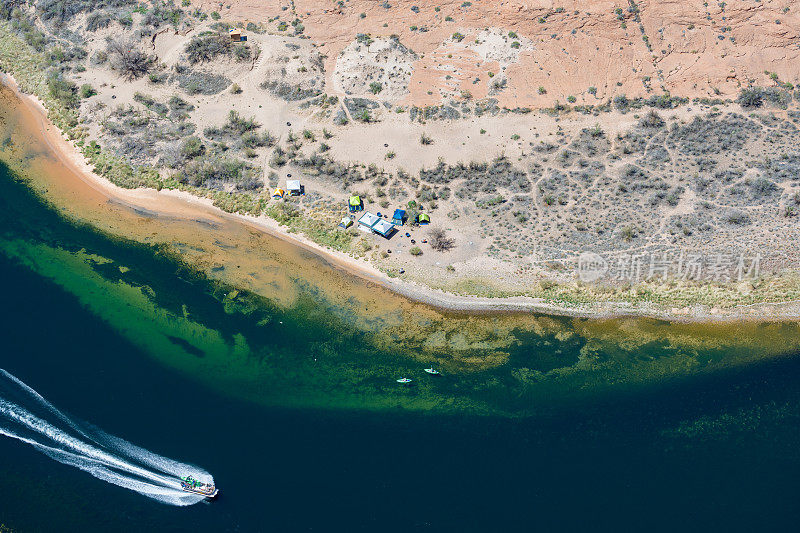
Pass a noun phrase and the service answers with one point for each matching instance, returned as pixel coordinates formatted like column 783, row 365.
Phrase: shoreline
column 176, row 203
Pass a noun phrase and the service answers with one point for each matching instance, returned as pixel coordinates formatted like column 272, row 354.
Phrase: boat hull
column 212, row 494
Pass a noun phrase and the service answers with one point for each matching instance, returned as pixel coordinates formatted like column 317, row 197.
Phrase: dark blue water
column 714, row 452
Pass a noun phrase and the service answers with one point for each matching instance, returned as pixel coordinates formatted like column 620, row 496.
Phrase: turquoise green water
column 543, row 423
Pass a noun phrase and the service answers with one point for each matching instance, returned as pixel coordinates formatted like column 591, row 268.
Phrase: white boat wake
column 25, row 415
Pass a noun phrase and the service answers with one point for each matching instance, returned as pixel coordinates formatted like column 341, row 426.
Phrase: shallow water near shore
column 284, row 389
column 718, row 450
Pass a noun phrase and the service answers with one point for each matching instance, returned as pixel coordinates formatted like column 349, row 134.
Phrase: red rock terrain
column 638, row 49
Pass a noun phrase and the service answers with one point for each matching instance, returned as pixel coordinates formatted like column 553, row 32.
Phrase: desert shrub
column 99, row 57
column 364, row 39
column 157, row 77
column 208, row 47
column 762, row 187
column 63, row 90
column 125, row 19
column 662, row 101
column 162, row 12
column 416, row 250
column 61, row 11
column 192, row 147
column 199, row 82
column 150, row 103
column 622, row 102
column 425, row 140
column 97, row 20
column 240, row 125
column 736, row 217
column 178, row 104
column 702, row 137
column 87, row 91
column 127, row 59
column 751, row 97
column 439, row 240
column 7, row 8
column 358, row 106
column 242, row 52
column 652, row 120
column 215, row 172
column 252, row 139
column 628, row 233
column 289, row 92
column 22, row 25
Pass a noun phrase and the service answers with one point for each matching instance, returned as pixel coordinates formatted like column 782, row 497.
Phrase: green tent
column 423, row 219
column 355, row 204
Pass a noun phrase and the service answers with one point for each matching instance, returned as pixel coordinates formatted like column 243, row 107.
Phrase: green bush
column 214, row 171
column 252, row 139
column 208, row 47
column 87, row 91
column 63, row 90
column 751, row 97
column 242, row 52
column 192, row 147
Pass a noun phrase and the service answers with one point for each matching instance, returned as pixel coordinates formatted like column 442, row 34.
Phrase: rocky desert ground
column 658, row 139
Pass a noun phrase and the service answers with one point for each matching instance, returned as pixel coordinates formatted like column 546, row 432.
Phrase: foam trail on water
column 26, row 416
column 38, row 398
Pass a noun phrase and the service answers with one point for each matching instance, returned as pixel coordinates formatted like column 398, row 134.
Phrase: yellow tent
column 278, row 193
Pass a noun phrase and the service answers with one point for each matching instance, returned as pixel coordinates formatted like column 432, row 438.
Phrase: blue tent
column 399, row 217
